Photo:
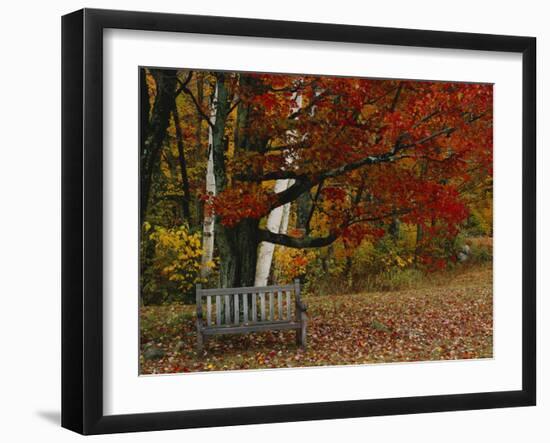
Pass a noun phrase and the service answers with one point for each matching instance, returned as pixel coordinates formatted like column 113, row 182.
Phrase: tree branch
column 380, row 217
column 396, row 97
column 273, row 175
column 302, row 184
column 233, row 106
column 184, row 83
column 369, row 160
column 444, row 131
column 318, row 242
column 380, row 97
column 426, row 118
column 314, row 205
column 294, row 242
column 183, row 88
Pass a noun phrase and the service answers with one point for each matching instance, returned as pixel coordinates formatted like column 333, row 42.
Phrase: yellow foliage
column 291, row 262
column 178, row 255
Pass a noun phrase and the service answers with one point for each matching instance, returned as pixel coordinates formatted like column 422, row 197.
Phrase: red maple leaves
column 427, row 140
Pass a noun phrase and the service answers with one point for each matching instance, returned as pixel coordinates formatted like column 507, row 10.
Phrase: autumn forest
column 375, row 194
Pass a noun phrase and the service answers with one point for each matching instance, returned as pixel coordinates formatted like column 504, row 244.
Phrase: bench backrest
column 253, row 304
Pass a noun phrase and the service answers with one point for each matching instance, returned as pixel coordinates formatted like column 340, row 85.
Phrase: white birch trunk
column 265, row 250
column 277, row 222
column 209, row 216
column 286, row 213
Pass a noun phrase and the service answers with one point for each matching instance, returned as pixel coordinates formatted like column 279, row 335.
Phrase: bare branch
column 183, row 88
column 233, row 106
column 184, row 83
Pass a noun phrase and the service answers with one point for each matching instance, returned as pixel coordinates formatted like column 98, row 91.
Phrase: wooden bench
column 250, row 309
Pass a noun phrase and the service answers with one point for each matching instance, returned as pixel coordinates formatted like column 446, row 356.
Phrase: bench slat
column 218, row 310
column 245, row 308
column 254, row 308
column 227, row 310
column 271, row 307
column 209, row 311
column 245, row 290
column 280, row 305
column 288, row 306
column 262, row 305
column 236, row 309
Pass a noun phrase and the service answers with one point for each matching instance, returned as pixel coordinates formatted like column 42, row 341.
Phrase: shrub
column 174, row 265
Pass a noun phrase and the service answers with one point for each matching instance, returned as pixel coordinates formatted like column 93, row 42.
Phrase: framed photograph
column 269, row 221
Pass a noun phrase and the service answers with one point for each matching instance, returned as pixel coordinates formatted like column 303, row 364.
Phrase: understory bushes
column 393, row 262
column 173, row 257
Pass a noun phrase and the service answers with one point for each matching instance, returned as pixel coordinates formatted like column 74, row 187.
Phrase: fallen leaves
column 454, row 321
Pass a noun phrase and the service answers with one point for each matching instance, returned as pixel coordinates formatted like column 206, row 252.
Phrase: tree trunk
column 144, row 107
column 348, row 271
column 286, row 214
column 303, row 208
column 395, row 228
column 209, row 216
column 419, row 226
column 154, row 129
column 228, row 239
column 218, row 132
column 198, row 151
column 200, row 98
column 419, row 238
column 185, row 205
column 266, row 249
column 238, row 247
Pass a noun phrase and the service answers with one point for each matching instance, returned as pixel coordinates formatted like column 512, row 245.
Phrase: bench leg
column 200, row 340
column 301, row 334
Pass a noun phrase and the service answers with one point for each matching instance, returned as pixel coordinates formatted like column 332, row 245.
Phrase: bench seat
column 252, row 327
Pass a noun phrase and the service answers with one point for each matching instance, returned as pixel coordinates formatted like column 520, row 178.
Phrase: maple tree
column 359, row 156
column 370, row 150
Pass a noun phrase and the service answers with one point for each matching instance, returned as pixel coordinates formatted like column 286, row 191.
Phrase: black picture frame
column 82, row 218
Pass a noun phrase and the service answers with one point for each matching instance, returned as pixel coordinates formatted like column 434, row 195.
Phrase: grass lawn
column 450, row 316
